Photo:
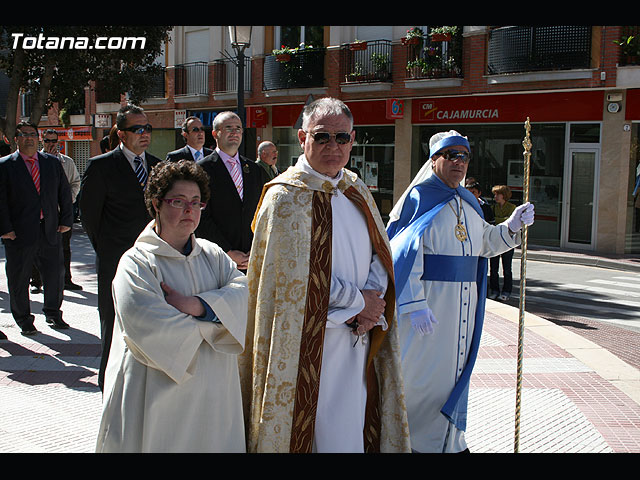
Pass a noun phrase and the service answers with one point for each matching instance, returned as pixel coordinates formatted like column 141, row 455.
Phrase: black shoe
column 36, row 289
column 72, row 286
column 57, row 323
column 28, row 330
column 2, row 336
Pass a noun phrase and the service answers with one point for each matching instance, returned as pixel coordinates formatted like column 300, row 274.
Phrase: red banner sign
column 539, row 107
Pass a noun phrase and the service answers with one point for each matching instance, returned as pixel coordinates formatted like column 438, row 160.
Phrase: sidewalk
column 576, row 396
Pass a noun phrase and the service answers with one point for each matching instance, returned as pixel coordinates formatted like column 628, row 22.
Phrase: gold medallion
column 461, row 232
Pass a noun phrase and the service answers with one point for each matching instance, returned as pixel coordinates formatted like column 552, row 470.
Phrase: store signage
column 395, row 109
column 71, row 133
column 544, row 107
column 257, row 117
column 102, row 120
column 179, row 116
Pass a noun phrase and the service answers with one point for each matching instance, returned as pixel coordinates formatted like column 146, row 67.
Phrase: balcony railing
column 225, row 76
column 530, row 49
column 192, row 79
column 368, row 61
column 303, row 69
column 430, row 59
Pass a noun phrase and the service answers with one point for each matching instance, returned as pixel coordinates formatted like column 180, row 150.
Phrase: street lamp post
column 240, row 41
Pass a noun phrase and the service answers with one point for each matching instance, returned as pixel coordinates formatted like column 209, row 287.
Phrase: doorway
column 580, row 198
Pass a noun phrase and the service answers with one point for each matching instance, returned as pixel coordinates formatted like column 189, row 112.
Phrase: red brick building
column 580, row 90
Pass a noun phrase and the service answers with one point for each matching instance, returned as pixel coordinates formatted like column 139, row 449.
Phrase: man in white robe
column 172, row 382
column 324, row 373
column 440, row 245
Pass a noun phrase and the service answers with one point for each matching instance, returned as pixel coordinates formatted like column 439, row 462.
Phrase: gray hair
column 264, row 145
column 326, row 106
column 124, row 112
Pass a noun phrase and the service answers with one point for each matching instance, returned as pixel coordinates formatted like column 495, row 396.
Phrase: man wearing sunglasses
column 112, row 207
column 194, row 135
column 440, row 243
column 321, row 327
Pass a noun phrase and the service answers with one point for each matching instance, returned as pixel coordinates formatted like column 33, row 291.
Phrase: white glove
column 522, row 215
column 423, row 321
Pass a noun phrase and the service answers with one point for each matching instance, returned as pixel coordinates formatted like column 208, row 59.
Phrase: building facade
column 577, row 86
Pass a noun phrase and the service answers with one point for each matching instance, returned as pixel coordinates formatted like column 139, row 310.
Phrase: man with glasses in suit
column 112, row 208
column 235, row 183
column 35, row 209
column 194, row 135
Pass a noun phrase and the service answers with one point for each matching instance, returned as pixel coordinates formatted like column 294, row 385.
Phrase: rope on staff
column 526, row 143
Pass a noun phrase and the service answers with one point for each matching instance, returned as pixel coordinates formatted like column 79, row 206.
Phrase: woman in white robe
column 172, row 381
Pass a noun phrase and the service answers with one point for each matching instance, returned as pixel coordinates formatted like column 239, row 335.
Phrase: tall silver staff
column 526, row 143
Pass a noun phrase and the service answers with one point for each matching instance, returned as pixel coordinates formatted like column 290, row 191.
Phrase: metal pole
column 241, row 113
column 523, row 280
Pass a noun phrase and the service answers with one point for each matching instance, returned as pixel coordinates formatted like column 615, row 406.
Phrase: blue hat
column 452, row 138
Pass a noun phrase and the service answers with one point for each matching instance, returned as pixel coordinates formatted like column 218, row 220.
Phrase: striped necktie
column 236, row 175
column 141, row 173
column 198, row 155
column 35, row 172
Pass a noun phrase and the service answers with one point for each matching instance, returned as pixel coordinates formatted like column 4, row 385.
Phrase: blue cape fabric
column 421, row 206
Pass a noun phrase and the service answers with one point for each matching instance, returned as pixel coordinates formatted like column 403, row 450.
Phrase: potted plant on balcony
column 629, row 49
column 442, row 34
column 414, row 36
column 358, row 45
column 418, row 68
column 380, row 63
column 283, row 54
column 357, row 75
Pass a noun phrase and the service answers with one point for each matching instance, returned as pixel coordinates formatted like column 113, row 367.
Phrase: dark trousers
column 106, row 272
column 494, row 281
column 48, row 260
column 36, row 281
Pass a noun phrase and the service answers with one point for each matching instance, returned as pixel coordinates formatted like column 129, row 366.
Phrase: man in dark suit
column 227, row 219
column 35, row 209
column 194, row 135
column 112, row 208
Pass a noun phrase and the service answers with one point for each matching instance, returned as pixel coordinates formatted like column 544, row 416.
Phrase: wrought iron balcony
column 225, row 75
column 192, row 79
column 303, row 69
column 429, row 58
column 368, row 61
column 530, row 49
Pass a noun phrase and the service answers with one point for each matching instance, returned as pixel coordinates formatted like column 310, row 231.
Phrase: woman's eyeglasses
column 179, row 203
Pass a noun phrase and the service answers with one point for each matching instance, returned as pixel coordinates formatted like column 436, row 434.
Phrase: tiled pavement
column 576, row 396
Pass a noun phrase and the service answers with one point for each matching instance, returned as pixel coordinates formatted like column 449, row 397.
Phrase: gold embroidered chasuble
column 289, row 282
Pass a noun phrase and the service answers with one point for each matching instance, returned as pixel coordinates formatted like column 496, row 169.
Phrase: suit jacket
column 185, row 153
column 20, row 203
column 112, row 207
column 227, row 219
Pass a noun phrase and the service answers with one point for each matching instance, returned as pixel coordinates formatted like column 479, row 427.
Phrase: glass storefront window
column 372, row 155
column 497, row 159
column 286, row 139
column 632, row 244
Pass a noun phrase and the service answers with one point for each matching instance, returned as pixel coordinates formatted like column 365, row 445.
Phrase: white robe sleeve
column 156, row 333
column 412, row 297
column 345, row 298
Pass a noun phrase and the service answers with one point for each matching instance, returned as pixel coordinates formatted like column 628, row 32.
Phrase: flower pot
column 410, row 41
column 283, row 57
column 440, row 37
column 358, row 46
